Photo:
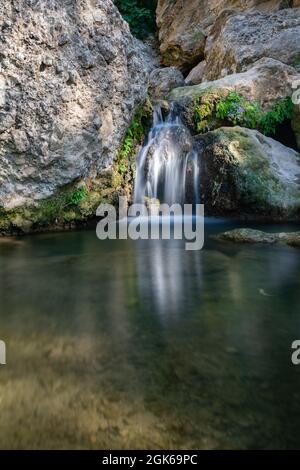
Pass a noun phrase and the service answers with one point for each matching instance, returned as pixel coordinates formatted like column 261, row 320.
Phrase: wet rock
column 257, row 236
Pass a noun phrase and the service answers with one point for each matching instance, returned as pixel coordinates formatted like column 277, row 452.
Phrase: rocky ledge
column 256, row 236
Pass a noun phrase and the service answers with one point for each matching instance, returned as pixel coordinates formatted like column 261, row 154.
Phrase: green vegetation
column 56, row 207
column 281, row 111
column 214, row 110
column 140, row 14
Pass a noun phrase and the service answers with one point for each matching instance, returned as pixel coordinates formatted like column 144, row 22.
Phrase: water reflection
column 167, row 276
column 145, row 345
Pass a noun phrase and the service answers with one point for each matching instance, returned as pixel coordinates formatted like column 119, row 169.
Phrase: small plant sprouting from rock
column 234, row 109
column 238, row 110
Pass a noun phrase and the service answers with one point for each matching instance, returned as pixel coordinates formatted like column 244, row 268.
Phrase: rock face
column 245, row 235
column 240, row 40
column 184, row 25
column 71, row 78
column 247, row 174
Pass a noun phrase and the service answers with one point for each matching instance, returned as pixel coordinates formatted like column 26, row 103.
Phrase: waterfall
column 167, row 166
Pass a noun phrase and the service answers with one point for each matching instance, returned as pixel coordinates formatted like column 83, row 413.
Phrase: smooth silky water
column 167, row 166
column 122, row 344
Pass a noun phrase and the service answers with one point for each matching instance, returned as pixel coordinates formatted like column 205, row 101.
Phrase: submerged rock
column 245, row 235
column 245, row 174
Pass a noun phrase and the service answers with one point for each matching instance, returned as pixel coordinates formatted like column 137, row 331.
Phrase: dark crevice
column 285, row 135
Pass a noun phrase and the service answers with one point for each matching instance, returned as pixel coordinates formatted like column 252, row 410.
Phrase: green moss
column 124, row 167
column 204, row 110
column 215, row 109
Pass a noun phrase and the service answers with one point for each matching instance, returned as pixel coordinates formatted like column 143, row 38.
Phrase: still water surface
column 124, row 344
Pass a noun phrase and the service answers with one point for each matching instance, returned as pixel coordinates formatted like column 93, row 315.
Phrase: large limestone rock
column 240, row 40
column 184, row 25
column 71, row 77
column 245, row 174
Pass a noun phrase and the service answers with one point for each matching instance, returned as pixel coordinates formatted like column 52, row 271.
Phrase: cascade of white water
column 165, row 160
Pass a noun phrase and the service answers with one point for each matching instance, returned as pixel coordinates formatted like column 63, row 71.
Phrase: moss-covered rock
column 72, row 206
column 245, row 174
column 261, row 98
column 246, row 235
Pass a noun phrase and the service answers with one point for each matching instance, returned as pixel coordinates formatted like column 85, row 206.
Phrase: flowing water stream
column 167, row 167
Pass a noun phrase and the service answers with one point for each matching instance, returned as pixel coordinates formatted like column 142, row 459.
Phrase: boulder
column 184, row 25
column 266, row 81
column 240, row 40
column 246, row 235
column 245, row 174
column 196, row 74
column 71, row 79
column 296, row 124
column 163, row 80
